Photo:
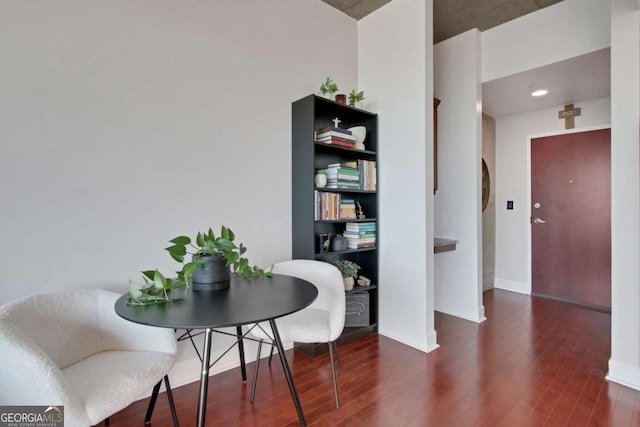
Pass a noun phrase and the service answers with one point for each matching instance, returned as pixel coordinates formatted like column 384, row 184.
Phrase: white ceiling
column 570, row 81
column 452, row 17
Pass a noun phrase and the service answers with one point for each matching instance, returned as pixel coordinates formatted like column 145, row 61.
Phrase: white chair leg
column 333, row 374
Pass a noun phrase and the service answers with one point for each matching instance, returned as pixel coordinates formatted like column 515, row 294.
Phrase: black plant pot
column 212, row 275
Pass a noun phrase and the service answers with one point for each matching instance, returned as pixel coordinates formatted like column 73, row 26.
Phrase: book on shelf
column 353, row 180
column 354, row 242
column 347, row 208
column 344, row 175
column 360, row 226
column 333, row 129
column 361, row 171
column 348, row 186
column 327, row 206
column 334, row 134
column 330, row 206
column 345, row 214
column 339, row 142
column 332, row 137
column 342, row 169
column 367, row 175
column 353, row 164
column 367, row 237
column 360, row 234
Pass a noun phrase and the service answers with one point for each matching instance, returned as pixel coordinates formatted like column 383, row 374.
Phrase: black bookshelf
column 309, row 114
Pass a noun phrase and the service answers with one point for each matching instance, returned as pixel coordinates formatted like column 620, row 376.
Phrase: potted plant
column 212, row 258
column 349, row 270
column 355, row 97
column 209, row 269
column 328, row 87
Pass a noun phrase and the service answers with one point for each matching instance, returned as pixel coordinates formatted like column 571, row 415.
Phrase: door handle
column 539, row 221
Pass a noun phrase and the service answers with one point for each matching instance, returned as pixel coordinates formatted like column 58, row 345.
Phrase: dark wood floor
column 533, row 362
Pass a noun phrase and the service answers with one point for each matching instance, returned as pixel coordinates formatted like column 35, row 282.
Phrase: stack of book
column 343, row 175
column 360, row 235
column 335, row 136
column 327, row 206
column 347, row 208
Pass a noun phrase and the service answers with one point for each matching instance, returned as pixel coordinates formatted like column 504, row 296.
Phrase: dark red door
column 571, row 217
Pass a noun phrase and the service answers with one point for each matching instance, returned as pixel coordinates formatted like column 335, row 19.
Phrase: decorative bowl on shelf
column 360, row 132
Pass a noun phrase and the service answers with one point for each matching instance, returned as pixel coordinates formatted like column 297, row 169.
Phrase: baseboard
column 512, row 286
column 624, row 373
column 473, row 314
column 463, row 315
column 405, row 335
column 432, row 341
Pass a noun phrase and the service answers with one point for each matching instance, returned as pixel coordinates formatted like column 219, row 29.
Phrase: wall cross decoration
column 569, row 114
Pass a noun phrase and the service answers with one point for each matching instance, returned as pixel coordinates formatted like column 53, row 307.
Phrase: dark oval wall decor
column 486, row 185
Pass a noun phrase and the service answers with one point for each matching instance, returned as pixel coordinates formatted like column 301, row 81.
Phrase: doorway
column 571, row 217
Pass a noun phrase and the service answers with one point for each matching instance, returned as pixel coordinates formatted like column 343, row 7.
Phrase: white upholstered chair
column 70, row 348
column 321, row 322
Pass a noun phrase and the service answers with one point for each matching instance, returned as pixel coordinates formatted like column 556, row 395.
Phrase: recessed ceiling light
column 539, row 92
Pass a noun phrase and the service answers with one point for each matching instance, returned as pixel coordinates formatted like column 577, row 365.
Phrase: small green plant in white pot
column 349, row 270
column 328, row 88
column 356, row 97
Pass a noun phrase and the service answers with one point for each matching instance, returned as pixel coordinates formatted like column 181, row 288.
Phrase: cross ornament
column 336, row 121
column 569, row 114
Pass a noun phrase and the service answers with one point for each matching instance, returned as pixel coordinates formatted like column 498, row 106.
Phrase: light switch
column 510, row 204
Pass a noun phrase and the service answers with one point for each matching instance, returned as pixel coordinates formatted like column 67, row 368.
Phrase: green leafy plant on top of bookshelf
column 328, row 87
column 355, row 97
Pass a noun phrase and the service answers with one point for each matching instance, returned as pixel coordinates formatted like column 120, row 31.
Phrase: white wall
column 624, row 365
column 513, row 134
column 458, row 204
column 567, row 29
column 394, row 69
column 124, row 124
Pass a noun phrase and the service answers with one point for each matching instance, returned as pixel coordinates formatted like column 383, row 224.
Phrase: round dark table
column 252, row 300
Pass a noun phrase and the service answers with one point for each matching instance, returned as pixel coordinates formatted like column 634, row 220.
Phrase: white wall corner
column 405, row 334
